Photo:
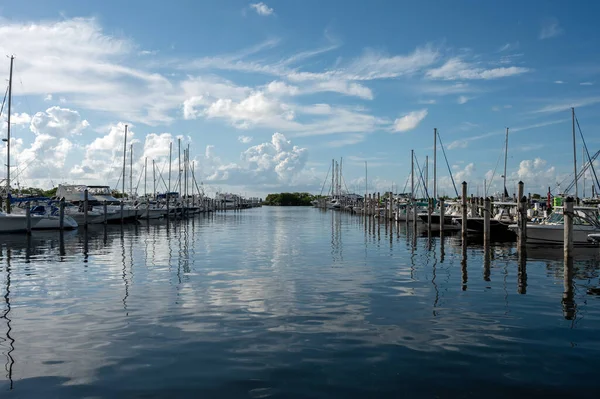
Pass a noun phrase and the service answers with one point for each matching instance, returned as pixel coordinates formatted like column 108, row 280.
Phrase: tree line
column 289, row 199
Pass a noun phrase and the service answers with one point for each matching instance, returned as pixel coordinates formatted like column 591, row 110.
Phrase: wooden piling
column 61, row 214
column 28, row 216
column 487, row 211
column 464, row 212
column 442, row 215
column 429, row 212
column 105, row 212
column 122, row 211
column 522, row 224
column 85, row 207
column 568, row 225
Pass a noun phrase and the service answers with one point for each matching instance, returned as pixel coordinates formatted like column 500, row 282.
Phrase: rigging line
column 422, row 179
column 325, row 181
column 4, row 101
column 586, row 151
column 493, row 174
column 448, row 165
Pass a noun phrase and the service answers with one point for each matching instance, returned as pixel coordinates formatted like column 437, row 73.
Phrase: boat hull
column 554, row 234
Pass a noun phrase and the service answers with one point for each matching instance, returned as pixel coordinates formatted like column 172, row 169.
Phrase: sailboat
column 41, row 218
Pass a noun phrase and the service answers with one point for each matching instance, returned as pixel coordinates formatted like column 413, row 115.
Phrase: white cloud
column 278, row 87
column 409, row 121
column 20, row 119
column 244, row 139
column 559, row 82
column 48, row 97
column 75, row 57
column 550, row 28
column 427, row 102
column 535, row 171
column 457, row 69
column 586, row 83
column 462, row 99
column 58, row 122
column 262, row 9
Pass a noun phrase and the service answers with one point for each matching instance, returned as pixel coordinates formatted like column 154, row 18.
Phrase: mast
column 332, row 178
column 131, row 169
column 12, row 58
column 574, row 156
column 412, row 175
column 434, row 163
column 366, row 182
column 583, row 169
column 505, row 161
column 154, row 179
column 179, row 160
column 124, row 161
column 427, row 174
column 145, row 178
column 341, row 163
column 169, row 188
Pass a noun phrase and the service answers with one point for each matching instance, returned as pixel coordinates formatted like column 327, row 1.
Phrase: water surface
column 294, row 303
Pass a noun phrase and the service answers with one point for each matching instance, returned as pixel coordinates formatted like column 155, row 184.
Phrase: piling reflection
column 487, row 263
column 522, row 272
column 463, row 265
column 568, row 299
column 10, row 361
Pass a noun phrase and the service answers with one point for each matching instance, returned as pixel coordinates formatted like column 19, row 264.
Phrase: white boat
column 12, row 223
column 551, row 231
column 74, row 211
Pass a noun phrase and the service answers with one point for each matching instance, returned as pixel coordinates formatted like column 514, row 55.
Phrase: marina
column 289, row 301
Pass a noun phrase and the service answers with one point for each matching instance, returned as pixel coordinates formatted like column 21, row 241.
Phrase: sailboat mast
column 435, row 163
column 341, row 163
column 332, row 178
column 179, row 160
column 124, row 161
column 12, row 58
column 412, row 175
column 574, row 156
column 131, row 169
column 145, row 178
column 169, row 188
column 427, row 174
column 505, row 161
column 154, row 178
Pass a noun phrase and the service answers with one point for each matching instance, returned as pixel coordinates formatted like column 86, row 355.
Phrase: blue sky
column 267, row 93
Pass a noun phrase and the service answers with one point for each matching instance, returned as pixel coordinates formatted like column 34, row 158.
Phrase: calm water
column 294, row 303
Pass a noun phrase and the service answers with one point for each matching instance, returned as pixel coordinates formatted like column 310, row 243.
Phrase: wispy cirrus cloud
column 458, row 69
column 586, row 83
column 550, row 29
column 565, row 105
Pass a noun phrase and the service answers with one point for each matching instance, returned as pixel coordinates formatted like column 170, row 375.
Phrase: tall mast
column 124, row 160
column 434, row 163
column 341, row 163
column 427, row 174
column 169, row 188
column 12, row 58
column 574, row 156
column 179, row 160
column 145, row 178
column 131, row 169
column 583, row 169
column 332, row 178
column 154, row 179
column 412, row 175
column 366, row 181
column 505, row 160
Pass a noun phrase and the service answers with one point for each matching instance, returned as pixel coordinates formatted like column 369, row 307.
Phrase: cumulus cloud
column 58, row 122
column 262, row 9
column 462, row 99
column 48, row 97
column 244, row 139
column 20, row 119
column 409, row 121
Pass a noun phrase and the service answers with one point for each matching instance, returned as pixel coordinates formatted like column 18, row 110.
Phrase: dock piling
column 61, row 214
column 28, row 216
column 85, row 207
column 487, row 210
column 568, row 220
column 442, row 215
column 105, row 212
column 464, row 212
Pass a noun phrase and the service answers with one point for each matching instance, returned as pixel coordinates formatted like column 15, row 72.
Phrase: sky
column 266, row 94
